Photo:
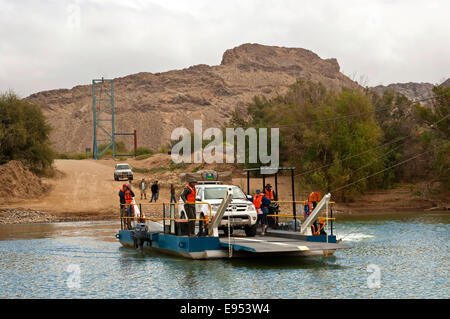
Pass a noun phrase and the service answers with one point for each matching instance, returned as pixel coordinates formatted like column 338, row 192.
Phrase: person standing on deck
column 143, row 188
column 265, row 206
column 188, row 196
column 257, row 200
column 269, row 193
column 126, row 198
column 308, row 208
column 314, row 198
column 122, row 202
column 262, row 204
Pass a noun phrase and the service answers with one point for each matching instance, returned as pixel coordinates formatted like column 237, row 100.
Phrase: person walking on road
column 143, row 188
column 155, row 191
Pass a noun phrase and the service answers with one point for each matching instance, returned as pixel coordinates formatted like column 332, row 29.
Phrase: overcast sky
column 62, row 43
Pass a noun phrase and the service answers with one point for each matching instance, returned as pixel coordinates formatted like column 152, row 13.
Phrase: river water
column 404, row 256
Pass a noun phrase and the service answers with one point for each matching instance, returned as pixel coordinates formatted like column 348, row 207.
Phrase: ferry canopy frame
column 275, row 173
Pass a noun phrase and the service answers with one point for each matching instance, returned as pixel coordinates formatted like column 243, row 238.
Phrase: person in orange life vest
column 188, row 196
column 257, row 200
column 269, row 193
column 314, row 198
column 307, row 211
column 262, row 204
column 126, row 197
column 319, row 228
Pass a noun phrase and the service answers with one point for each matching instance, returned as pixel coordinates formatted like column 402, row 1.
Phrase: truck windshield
column 123, row 166
column 219, row 193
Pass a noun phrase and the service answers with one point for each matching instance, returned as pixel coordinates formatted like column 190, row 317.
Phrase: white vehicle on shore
column 123, row 170
column 241, row 211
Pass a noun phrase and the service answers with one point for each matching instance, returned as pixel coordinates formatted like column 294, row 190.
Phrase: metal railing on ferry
column 165, row 213
column 277, row 216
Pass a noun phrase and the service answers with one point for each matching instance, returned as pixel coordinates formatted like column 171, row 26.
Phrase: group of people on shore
column 143, row 186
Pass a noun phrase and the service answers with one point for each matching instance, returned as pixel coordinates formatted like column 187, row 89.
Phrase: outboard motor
column 141, row 235
column 274, row 208
column 293, row 223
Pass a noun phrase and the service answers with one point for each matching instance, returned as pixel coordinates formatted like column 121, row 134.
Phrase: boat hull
column 215, row 247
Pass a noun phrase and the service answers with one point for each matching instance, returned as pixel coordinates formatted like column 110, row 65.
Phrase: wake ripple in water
column 354, row 237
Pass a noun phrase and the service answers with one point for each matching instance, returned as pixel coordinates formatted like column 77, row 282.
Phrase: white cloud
column 54, row 44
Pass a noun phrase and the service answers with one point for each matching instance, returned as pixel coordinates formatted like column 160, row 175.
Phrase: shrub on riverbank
column 24, row 134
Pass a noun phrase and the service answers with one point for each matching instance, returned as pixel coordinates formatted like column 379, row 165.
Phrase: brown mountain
column 155, row 104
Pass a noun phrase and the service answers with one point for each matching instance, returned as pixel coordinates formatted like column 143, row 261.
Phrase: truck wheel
column 250, row 231
column 115, row 178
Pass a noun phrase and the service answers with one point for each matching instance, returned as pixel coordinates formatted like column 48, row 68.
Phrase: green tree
column 397, row 119
column 436, row 135
column 328, row 154
column 24, row 134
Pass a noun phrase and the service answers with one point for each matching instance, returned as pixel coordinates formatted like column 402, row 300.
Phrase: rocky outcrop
column 412, row 90
column 155, row 104
column 446, row 83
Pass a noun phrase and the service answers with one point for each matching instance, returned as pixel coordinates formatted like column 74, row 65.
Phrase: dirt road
column 81, row 188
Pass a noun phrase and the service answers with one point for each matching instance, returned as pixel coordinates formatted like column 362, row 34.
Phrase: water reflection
column 286, row 263
column 27, row 231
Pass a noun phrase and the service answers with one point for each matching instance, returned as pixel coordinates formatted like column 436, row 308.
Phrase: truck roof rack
column 209, row 182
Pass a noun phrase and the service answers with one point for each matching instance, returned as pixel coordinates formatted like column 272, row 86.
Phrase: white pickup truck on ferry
column 241, row 211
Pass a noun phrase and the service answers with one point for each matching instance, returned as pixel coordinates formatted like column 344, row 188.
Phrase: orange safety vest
column 269, row 194
column 257, row 201
column 192, row 195
column 128, row 197
column 319, row 228
column 314, row 197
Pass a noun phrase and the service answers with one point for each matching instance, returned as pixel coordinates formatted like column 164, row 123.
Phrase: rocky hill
column 155, row 104
column 412, row 90
column 446, row 83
